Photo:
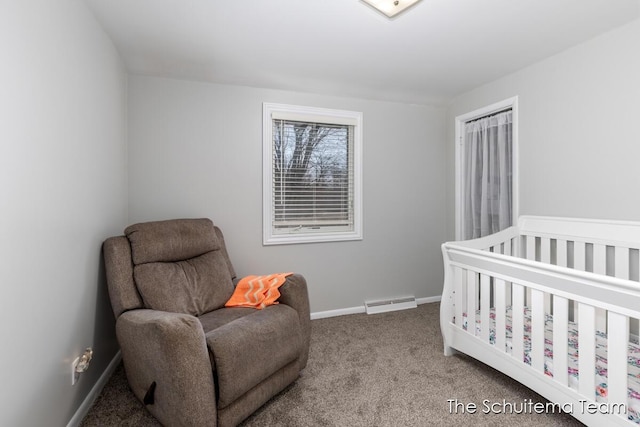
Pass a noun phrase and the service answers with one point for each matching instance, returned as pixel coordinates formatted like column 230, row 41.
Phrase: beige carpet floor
column 369, row 370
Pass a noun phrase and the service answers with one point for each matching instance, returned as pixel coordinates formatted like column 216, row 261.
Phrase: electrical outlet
column 75, row 375
column 80, row 365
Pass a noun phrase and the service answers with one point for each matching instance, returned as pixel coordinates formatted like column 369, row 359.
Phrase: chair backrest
column 179, row 265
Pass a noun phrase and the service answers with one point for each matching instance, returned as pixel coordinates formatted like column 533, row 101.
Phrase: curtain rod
column 494, row 113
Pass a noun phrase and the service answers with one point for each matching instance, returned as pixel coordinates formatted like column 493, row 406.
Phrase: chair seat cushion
column 216, row 318
column 249, row 349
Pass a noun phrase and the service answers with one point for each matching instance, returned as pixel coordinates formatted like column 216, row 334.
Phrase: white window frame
column 310, row 114
column 510, row 103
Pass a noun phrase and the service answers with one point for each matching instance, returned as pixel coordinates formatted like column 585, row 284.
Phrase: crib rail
column 578, row 272
column 602, row 247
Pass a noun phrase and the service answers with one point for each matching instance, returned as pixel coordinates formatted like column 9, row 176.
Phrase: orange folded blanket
column 257, row 291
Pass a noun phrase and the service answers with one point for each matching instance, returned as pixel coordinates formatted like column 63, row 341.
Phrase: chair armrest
column 294, row 293
column 170, row 350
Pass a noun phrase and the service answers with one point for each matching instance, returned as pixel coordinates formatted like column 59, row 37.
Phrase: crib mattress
column 633, row 371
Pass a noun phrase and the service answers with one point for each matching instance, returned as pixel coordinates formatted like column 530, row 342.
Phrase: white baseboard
column 338, row 312
column 84, row 408
column 361, row 309
column 427, row 300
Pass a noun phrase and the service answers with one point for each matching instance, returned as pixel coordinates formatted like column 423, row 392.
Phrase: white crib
column 535, row 289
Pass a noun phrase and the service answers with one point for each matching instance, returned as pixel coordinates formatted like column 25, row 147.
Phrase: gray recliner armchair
column 191, row 360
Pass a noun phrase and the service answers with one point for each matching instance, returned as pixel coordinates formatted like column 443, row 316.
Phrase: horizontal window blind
column 313, row 178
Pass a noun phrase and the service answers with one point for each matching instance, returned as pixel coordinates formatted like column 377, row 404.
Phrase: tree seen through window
column 311, row 164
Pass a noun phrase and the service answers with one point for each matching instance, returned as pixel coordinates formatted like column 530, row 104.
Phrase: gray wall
column 63, row 189
column 579, row 140
column 195, row 149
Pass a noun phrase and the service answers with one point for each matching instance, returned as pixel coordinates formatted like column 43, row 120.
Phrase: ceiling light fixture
column 390, row 7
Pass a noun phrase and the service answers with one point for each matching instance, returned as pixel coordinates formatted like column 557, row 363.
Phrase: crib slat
column 622, row 262
column 501, row 309
column 579, row 256
column 537, row 330
column 517, row 321
column 459, row 299
column 507, row 247
column 545, row 256
column 600, row 259
column 531, row 247
column 586, row 350
column 545, row 250
column 485, row 301
column 561, row 253
column 560, row 339
column 531, row 254
column 617, row 346
column 472, row 301
column 600, row 267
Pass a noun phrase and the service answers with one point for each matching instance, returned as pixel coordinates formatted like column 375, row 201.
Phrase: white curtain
column 487, row 180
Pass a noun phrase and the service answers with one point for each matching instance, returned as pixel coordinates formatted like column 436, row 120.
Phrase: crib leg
column 449, row 351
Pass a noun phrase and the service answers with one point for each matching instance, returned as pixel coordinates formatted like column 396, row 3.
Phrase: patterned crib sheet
column 633, row 370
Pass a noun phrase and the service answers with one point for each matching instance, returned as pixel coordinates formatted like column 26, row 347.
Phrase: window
column 312, row 174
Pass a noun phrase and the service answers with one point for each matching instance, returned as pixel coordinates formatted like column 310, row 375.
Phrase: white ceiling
column 427, row 55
